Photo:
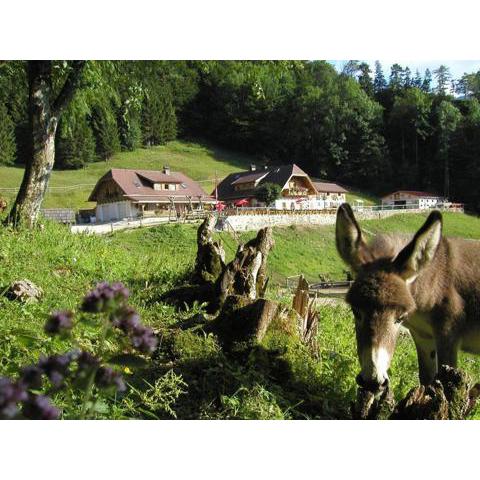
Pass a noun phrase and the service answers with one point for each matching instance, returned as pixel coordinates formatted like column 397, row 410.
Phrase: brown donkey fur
column 429, row 284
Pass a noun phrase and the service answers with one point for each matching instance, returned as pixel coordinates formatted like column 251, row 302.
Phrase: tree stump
column 449, row 397
column 210, row 261
column 373, row 406
column 245, row 275
column 307, row 311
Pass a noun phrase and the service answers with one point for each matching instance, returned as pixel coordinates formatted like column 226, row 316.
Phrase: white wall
column 107, row 212
column 254, row 222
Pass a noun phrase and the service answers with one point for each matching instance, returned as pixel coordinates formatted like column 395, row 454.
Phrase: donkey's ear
column 350, row 243
column 420, row 251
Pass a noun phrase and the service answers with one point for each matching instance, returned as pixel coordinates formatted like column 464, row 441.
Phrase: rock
column 24, row 291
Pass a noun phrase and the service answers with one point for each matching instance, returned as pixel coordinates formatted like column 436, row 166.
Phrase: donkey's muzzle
column 371, row 385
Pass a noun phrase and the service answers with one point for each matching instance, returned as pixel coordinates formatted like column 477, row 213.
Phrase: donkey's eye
column 401, row 318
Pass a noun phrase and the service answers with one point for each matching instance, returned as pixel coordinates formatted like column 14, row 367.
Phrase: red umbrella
column 241, row 203
column 219, row 206
column 300, row 200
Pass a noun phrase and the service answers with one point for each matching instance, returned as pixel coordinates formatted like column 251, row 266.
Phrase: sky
column 457, row 67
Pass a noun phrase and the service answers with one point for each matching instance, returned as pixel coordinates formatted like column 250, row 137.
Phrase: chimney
column 166, row 170
column 253, row 167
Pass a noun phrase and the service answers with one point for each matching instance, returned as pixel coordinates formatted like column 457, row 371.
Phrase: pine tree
column 105, row 129
column 407, row 78
column 365, row 80
column 417, row 81
column 74, row 143
column 396, row 77
column 379, row 82
column 443, row 76
column 7, row 137
column 427, row 81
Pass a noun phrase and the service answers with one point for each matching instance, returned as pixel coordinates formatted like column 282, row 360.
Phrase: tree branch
column 69, row 87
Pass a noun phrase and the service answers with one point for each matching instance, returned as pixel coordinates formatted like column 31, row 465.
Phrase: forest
column 375, row 131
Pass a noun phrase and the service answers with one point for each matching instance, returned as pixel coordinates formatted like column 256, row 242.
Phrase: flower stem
column 89, row 388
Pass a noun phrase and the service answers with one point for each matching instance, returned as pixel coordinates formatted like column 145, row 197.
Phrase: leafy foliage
column 268, row 193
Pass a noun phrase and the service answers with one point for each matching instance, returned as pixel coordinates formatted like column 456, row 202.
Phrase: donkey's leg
column 427, row 357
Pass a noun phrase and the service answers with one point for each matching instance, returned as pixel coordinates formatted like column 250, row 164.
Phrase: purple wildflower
column 86, row 361
column 106, row 377
column 55, row 367
column 40, row 407
column 105, row 297
column 126, row 319
column 11, row 393
column 31, row 377
column 59, row 323
column 143, row 339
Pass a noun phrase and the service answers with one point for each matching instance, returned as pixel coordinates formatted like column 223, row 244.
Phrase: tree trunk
column 43, row 116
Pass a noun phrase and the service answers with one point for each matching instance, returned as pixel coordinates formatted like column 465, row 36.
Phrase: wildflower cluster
column 82, row 368
column 111, row 299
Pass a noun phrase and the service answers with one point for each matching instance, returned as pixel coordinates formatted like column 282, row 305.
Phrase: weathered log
column 307, row 311
column 210, row 261
column 245, row 275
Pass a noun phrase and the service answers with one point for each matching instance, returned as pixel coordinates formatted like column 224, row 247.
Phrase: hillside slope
column 200, row 161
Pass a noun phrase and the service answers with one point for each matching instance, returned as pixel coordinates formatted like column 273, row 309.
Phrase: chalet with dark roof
column 298, row 191
column 124, row 193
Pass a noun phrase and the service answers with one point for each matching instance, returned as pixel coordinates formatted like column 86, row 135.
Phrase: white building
column 413, row 199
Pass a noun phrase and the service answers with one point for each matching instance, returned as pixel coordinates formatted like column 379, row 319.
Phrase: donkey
column 429, row 284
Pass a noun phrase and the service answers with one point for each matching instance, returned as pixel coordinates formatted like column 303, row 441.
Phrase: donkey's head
column 380, row 295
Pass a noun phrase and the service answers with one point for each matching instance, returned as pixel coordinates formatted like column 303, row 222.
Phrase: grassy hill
column 151, row 261
column 200, row 161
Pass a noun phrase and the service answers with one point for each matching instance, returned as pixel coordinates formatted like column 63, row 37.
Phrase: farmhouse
column 298, row 191
column 413, row 199
column 330, row 193
column 123, row 193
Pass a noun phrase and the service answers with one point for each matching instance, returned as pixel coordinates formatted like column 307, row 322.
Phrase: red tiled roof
column 137, row 185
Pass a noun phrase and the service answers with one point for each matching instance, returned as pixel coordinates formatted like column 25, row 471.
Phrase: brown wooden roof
column 328, row 187
column 279, row 175
column 137, row 185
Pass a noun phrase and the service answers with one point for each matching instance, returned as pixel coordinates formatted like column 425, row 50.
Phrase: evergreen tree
column 74, row 143
column 443, row 76
column 407, row 78
column 105, row 129
column 379, row 82
column 365, row 80
column 396, row 77
column 351, row 68
column 7, row 137
column 427, row 81
column 417, row 81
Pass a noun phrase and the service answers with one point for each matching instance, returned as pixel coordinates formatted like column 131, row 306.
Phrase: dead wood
column 307, row 311
column 451, row 396
column 210, row 261
column 246, row 275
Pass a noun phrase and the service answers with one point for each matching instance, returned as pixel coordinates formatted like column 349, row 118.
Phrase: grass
column 191, row 376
